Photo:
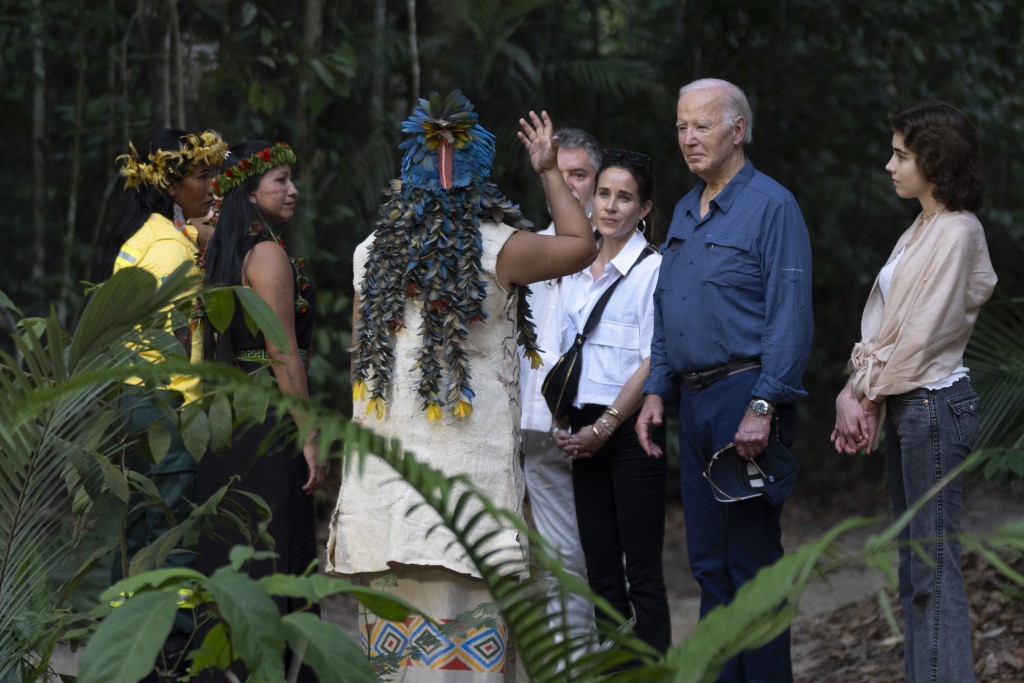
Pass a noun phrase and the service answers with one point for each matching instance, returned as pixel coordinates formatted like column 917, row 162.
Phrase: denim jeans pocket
column 967, row 416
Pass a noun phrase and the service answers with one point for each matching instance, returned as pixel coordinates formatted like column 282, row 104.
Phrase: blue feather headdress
column 445, row 147
column 427, row 247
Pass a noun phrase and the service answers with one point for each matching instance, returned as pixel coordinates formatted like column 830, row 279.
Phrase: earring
column 179, row 217
column 641, row 226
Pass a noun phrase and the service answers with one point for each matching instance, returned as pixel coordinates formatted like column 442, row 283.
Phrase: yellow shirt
column 159, row 248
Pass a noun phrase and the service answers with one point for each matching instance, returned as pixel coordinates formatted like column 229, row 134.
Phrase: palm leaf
column 995, row 356
column 55, row 419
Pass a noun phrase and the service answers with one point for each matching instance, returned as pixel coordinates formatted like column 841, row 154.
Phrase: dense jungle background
column 334, row 78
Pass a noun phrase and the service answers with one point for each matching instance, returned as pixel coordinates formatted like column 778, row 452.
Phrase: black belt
column 695, row 381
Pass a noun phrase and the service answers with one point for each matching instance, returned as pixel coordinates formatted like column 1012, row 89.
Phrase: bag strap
column 595, row 314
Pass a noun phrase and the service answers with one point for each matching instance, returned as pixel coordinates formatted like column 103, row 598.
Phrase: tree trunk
column 38, row 148
column 312, row 33
column 66, row 281
column 414, row 54
column 377, row 92
column 176, row 57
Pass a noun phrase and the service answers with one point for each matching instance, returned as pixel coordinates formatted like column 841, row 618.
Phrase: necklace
column 298, row 264
column 182, row 224
column 925, row 219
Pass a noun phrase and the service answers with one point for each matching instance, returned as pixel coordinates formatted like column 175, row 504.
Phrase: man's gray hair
column 736, row 103
column 576, row 138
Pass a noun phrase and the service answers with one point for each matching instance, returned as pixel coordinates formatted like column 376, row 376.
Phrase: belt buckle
column 698, row 380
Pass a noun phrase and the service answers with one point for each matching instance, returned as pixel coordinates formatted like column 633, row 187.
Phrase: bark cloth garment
column 372, row 531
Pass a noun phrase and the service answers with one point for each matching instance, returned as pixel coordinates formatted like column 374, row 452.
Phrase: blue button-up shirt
column 735, row 284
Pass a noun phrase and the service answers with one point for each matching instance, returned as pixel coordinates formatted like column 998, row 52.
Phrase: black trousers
column 620, row 505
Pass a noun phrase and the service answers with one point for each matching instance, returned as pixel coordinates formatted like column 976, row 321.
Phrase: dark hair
column 137, row 205
column 577, row 138
column 639, row 166
column 231, row 241
column 947, row 150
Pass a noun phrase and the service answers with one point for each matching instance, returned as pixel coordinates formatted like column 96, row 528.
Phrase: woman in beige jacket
column 908, row 371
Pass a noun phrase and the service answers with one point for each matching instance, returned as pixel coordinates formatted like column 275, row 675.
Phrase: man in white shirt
column 548, row 473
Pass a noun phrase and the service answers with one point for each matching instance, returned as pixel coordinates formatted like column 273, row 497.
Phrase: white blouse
column 621, row 341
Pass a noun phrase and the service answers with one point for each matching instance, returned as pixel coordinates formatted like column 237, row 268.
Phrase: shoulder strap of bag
column 595, row 313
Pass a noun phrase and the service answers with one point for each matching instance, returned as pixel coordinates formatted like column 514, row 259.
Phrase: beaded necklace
column 183, row 225
column 298, row 264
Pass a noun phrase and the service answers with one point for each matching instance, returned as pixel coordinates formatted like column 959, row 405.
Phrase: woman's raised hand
column 538, row 136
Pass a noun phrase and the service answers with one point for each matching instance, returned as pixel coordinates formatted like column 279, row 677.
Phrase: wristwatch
column 761, row 407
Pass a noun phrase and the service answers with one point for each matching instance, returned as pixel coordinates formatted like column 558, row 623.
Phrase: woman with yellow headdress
column 166, row 188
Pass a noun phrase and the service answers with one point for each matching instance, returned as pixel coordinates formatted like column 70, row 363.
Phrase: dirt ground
column 842, row 633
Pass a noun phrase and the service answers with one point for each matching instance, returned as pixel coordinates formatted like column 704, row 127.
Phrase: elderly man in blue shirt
column 732, row 332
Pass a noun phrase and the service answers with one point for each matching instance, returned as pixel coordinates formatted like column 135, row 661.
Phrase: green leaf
column 328, row 649
column 157, row 578
column 220, row 307
column 253, row 621
column 249, row 12
column 7, row 303
column 194, row 427
column 114, row 478
column 215, row 650
column 159, row 439
column 221, row 428
column 251, row 405
column 322, row 72
column 126, row 644
column 263, row 316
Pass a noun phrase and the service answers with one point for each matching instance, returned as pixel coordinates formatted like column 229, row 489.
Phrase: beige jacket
column 918, row 335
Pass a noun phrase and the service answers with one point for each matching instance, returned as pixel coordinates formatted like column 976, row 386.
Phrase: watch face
column 761, row 407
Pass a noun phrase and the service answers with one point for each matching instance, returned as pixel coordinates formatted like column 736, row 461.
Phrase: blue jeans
column 928, row 433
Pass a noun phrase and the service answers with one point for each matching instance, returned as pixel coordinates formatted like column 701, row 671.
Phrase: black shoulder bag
column 563, row 380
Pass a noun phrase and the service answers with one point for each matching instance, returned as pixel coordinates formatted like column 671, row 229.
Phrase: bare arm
column 527, row 257
column 269, row 273
column 586, row 441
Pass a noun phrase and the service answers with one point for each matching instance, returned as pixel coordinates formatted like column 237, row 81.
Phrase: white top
column 374, row 523
column 884, row 282
column 547, row 318
column 622, row 339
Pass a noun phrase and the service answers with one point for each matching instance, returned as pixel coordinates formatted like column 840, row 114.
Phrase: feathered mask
column 437, row 128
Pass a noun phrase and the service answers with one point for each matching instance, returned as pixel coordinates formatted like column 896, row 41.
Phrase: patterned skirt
column 468, row 643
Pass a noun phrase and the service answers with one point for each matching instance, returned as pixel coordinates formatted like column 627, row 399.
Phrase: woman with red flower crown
column 259, row 196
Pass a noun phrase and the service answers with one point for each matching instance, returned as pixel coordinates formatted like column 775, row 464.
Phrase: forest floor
column 842, row 633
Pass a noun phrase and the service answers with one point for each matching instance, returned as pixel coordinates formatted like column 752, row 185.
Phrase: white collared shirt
column 622, row 339
column 547, row 319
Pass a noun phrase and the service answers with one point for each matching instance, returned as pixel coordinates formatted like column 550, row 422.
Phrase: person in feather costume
column 438, row 317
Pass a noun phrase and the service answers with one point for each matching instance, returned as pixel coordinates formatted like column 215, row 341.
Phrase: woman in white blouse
column 619, row 491
column 907, row 371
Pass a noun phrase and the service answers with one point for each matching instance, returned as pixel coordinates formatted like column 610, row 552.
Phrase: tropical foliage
column 335, row 78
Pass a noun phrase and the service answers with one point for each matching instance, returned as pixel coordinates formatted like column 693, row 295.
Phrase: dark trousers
column 620, row 506
column 729, row 543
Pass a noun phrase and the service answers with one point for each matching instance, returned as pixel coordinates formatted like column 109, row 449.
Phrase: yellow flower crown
column 159, row 167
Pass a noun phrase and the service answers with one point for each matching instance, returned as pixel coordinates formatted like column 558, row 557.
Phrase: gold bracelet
column 598, row 434
column 607, row 425
column 614, row 413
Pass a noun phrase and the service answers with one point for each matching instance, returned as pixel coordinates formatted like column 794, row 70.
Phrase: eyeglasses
column 637, row 159
column 750, row 463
